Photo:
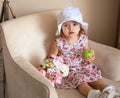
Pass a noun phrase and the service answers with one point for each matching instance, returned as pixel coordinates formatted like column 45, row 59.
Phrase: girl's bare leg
column 99, row 84
column 84, row 89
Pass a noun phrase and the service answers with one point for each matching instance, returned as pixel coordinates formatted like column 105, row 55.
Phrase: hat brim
column 84, row 26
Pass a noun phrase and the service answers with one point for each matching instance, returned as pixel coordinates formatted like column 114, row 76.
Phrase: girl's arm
column 54, row 49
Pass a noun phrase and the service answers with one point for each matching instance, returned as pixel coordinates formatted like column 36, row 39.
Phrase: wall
column 100, row 14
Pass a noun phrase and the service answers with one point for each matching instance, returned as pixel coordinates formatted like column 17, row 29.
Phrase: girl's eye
column 74, row 24
column 65, row 25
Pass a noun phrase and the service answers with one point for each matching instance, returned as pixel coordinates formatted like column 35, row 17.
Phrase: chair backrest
column 31, row 36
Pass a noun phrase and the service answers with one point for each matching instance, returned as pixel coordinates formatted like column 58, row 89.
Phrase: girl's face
column 71, row 28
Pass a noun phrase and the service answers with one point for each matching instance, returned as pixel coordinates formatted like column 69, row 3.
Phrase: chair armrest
column 107, row 59
column 39, row 83
column 24, row 81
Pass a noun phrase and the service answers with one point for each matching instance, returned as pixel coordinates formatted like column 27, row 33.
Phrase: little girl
column 70, row 43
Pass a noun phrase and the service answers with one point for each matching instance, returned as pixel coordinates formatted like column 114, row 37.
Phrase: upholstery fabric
column 27, row 40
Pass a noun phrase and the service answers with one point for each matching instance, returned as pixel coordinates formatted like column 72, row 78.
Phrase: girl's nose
column 70, row 27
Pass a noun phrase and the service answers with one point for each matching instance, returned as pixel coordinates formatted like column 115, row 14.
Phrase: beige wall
column 100, row 14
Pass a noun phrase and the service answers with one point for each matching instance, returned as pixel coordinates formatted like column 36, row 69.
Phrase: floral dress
column 80, row 70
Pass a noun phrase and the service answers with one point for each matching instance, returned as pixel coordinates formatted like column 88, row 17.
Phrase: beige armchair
column 26, row 41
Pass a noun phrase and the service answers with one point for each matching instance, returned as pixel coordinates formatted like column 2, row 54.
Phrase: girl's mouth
column 71, row 32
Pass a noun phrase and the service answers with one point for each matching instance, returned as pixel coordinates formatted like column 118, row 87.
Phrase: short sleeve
column 83, row 40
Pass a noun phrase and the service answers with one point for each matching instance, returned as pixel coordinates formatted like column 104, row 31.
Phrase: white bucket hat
column 70, row 13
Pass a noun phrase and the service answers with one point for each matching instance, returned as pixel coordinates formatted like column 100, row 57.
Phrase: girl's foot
column 107, row 94
column 94, row 94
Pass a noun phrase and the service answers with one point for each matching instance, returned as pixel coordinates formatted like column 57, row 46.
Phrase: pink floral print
column 81, row 71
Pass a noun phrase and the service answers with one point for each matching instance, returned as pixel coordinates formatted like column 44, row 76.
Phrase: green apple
column 87, row 53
